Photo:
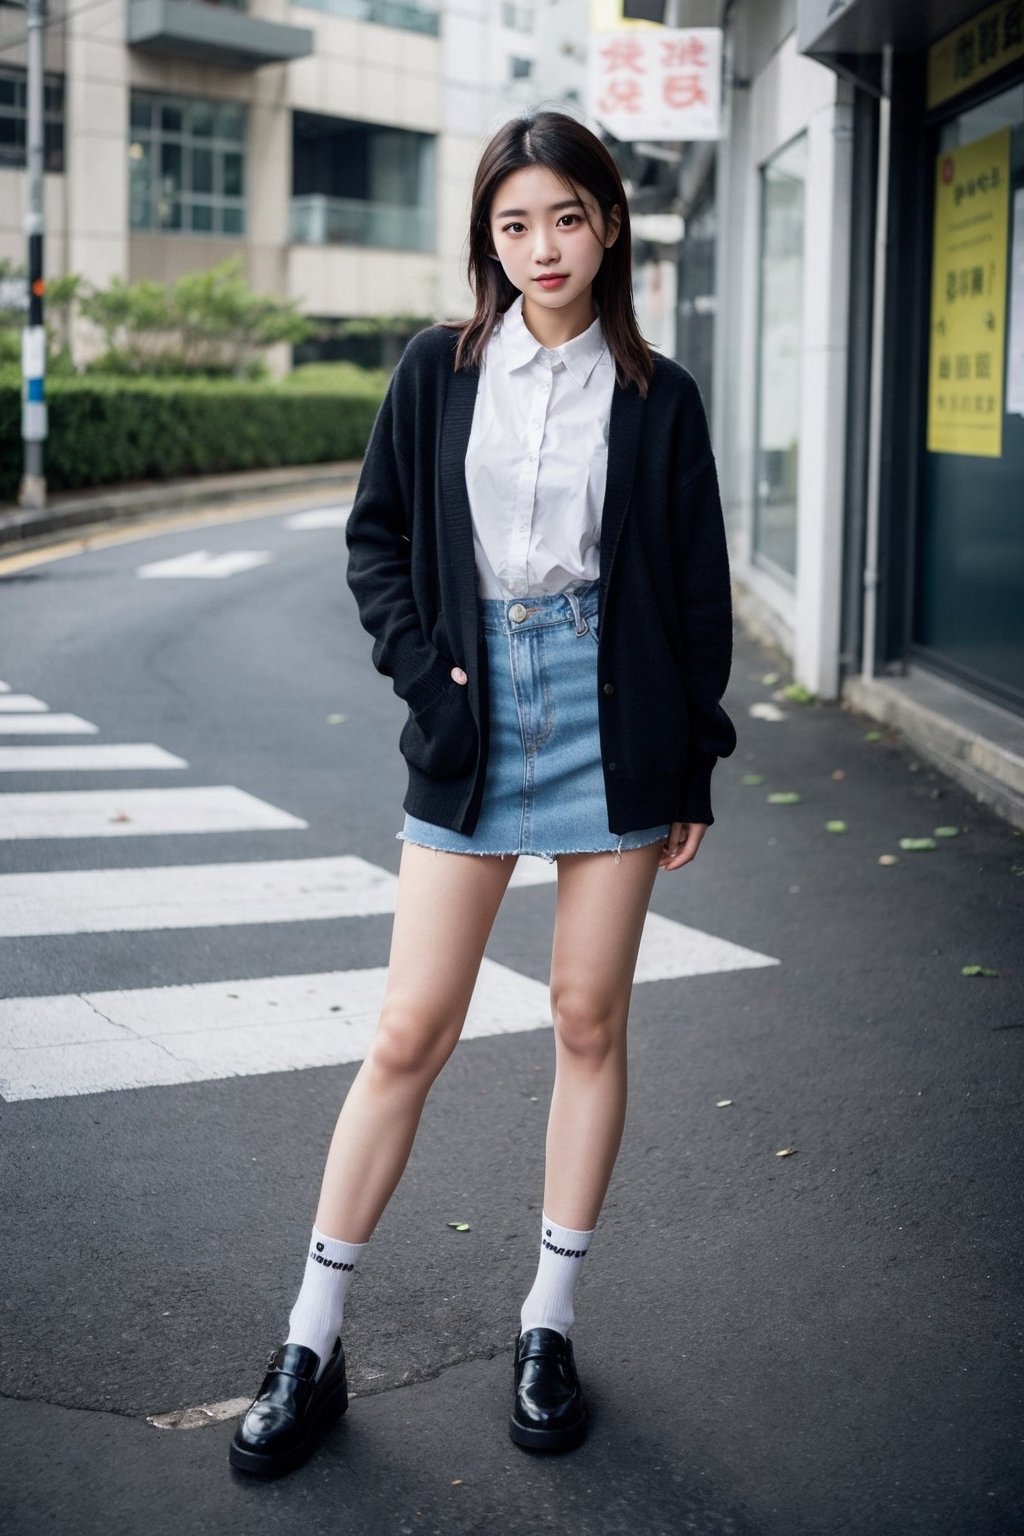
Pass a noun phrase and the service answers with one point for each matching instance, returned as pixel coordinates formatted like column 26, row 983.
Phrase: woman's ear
column 612, row 225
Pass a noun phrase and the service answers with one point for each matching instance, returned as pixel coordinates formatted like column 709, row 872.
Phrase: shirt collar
column 519, row 346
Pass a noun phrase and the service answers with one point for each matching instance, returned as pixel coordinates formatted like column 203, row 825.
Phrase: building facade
column 329, row 143
column 869, row 361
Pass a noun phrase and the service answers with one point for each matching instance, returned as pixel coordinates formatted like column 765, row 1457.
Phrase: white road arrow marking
column 11, row 703
column 318, row 517
column 200, row 563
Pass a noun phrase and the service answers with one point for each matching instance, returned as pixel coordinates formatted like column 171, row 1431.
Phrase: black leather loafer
column 290, row 1411
column 549, row 1413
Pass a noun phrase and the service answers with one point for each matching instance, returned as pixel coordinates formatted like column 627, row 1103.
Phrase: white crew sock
column 320, row 1306
column 549, row 1304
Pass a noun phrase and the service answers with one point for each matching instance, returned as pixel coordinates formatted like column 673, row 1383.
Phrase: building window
column 356, row 183
column 780, row 333
column 14, row 119
column 187, row 165
column 408, row 15
column 517, row 18
column 520, row 69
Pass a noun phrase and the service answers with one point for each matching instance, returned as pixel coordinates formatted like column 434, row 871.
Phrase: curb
column 26, row 528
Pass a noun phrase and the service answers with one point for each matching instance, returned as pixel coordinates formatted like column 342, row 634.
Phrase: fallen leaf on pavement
column 798, row 693
column 723, row 1103
column 752, row 778
column 839, row 774
column 917, row 844
column 459, row 1226
column 784, row 797
column 947, row 832
column 872, row 735
column 770, row 678
column 765, row 712
column 785, row 1152
column 977, row 970
column 835, row 826
column 889, row 858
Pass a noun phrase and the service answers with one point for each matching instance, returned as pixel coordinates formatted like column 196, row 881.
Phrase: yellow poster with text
column 968, row 309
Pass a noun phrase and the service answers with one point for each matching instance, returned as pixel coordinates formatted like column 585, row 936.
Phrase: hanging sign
column 656, row 83
column 968, row 308
column 989, row 41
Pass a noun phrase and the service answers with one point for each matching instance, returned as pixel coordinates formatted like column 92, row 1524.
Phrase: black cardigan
column 665, row 619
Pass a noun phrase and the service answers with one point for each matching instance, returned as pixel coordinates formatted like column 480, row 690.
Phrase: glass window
column 780, row 329
column 968, row 618
column 199, row 149
column 409, row 15
column 13, row 128
column 520, row 69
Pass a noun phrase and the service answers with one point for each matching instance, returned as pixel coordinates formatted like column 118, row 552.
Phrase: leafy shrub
column 106, row 429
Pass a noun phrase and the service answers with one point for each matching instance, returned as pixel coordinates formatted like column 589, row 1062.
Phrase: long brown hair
column 579, row 159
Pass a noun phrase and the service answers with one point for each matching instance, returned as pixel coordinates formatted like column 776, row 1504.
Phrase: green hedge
column 103, row 429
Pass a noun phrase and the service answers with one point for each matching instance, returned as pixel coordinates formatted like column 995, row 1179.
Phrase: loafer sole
column 276, row 1463
column 565, row 1438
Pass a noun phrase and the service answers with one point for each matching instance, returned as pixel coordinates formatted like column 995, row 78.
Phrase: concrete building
column 869, row 361
column 331, row 143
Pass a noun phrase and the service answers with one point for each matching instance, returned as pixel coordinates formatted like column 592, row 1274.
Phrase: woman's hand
column 683, row 841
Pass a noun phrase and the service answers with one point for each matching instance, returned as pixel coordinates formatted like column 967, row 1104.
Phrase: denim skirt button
column 517, row 613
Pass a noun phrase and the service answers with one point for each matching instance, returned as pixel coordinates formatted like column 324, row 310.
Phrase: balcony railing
column 405, row 14
column 319, row 220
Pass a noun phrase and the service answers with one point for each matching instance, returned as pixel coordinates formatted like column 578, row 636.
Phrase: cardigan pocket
column 441, row 739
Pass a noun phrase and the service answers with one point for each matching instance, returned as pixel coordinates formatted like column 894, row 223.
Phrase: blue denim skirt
column 544, row 790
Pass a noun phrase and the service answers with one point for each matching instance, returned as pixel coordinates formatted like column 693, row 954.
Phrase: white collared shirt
column 537, row 459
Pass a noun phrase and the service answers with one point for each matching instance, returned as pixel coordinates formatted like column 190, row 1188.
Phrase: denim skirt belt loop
column 544, row 791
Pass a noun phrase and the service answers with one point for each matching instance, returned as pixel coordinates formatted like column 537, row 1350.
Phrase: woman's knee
column 411, row 1042
column 587, row 1026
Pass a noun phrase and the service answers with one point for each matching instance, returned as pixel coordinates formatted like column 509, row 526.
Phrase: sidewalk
column 133, row 501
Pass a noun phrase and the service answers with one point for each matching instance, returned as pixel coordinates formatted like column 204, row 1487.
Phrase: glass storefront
column 780, row 330
column 968, row 615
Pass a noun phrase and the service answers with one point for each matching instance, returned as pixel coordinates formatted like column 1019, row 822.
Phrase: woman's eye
column 512, row 229
column 573, row 218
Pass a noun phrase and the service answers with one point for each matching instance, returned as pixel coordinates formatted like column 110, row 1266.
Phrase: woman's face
column 543, row 239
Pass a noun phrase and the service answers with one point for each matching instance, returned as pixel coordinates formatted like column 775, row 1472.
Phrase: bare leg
column 598, row 925
column 446, row 906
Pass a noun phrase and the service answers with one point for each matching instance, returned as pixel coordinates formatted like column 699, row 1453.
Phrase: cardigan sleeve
column 379, row 561
column 702, row 566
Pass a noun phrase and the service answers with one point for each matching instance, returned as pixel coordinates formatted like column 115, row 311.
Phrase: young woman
column 537, row 549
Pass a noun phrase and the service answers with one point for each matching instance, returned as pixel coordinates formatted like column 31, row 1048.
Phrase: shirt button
column 609, row 688
column 517, row 613
column 612, row 767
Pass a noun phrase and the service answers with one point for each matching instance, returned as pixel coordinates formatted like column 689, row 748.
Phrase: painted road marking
column 88, row 757
column 10, row 703
column 318, row 517
column 200, row 563
column 5, row 687
column 193, row 896
column 137, row 813
column 53, row 1047
column 45, row 725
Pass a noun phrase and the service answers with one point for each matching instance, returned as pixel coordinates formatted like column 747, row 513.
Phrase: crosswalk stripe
column 45, row 725
column 12, row 703
column 192, row 896
column 51, row 1047
column 137, row 812
column 5, row 687
column 88, row 757
column 201, row 564
column 318, row 517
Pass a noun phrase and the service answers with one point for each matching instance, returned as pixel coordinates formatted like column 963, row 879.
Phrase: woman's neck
column 554, row 327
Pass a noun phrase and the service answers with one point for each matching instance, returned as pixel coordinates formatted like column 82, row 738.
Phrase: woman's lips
column 554, row 281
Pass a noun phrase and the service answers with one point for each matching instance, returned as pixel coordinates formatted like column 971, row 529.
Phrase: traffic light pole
column 33, row 340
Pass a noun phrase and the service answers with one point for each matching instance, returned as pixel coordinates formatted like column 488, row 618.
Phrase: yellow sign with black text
column 975, row 50
column 968, row 308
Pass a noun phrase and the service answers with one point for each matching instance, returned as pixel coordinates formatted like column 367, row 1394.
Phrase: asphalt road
column 822, row 1344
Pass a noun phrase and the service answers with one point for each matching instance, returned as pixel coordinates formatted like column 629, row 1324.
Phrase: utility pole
column 33, row 337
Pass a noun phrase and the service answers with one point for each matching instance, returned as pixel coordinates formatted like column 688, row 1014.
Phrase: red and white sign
column 657, row 82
